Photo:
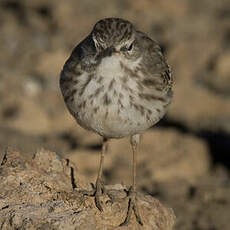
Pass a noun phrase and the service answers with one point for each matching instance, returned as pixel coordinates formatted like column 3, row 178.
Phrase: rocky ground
column 46, row 192
column 184, row 160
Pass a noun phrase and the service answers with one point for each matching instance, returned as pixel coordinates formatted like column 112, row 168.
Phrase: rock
column 216, row 77
column 44, row 193
column 56, row 59
column 31, row 119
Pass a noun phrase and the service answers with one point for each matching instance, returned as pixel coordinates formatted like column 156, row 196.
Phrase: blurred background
column 184, row 160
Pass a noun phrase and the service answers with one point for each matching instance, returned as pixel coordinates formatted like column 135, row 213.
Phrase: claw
column 99, row 190
column 96, row 191
column 132, row 206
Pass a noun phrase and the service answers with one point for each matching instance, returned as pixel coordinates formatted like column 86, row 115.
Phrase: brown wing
column 154, row 60
column 167, row 77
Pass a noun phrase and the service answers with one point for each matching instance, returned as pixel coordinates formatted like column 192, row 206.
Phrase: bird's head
column 114, row 35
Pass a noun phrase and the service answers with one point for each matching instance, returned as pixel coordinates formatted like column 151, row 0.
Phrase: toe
column 98, row 193
column 136, row 212
column 98, row 202
column 132, row 206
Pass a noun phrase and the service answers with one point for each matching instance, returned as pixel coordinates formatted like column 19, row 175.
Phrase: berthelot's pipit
column 117, row 83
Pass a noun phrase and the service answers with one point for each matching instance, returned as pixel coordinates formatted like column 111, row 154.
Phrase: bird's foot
column 97, row 191
column 132, row 205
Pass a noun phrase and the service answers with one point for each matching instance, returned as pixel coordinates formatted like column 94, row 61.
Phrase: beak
column 109, row 51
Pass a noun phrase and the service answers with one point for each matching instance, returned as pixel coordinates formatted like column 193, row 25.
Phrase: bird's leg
column 98, row 189
column 99, row 184
column 135, row 139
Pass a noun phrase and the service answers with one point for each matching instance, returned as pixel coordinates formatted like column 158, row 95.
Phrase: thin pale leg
column 99, row 183
column 132, row 191
column 99, row 186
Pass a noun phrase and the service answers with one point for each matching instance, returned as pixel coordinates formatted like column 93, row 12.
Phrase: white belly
column 107, row 104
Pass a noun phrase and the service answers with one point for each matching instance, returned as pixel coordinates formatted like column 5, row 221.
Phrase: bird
column 117, row 83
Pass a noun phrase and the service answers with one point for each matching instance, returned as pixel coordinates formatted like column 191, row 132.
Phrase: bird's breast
column 108, row 100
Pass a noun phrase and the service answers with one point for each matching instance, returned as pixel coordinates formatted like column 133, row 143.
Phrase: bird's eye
column 127, row 48
column 130, row 47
